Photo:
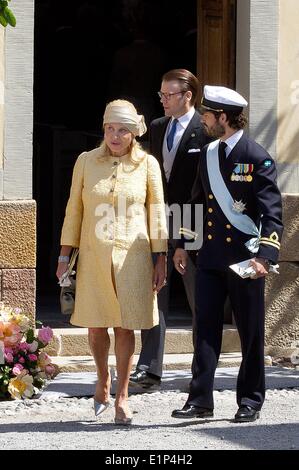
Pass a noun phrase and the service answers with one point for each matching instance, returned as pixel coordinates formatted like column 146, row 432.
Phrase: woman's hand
column 160, row 273
column 61, row 269
column 63, row 260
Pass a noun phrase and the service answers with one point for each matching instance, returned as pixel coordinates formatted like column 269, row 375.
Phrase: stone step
column 171, row 362
column 74, row 341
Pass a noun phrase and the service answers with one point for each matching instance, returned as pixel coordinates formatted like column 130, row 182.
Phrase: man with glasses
column 176, row 141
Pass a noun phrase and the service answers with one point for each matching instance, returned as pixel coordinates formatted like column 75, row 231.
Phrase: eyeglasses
column 167, row 96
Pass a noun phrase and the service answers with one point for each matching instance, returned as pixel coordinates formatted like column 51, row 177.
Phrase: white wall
column 288, row 96
column 17, row 167
column 257, row 65
column 267, row 66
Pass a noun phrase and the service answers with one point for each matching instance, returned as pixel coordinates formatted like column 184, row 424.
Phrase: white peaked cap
column 220, row 98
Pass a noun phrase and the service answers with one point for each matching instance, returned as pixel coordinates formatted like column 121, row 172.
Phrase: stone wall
column 282, row 292
column 18, row 255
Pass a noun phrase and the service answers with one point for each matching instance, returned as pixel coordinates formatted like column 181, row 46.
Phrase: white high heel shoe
column 99, row 407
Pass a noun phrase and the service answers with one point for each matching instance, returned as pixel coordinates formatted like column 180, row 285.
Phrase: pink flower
column 11, row 334
column 17, row 369
column 32, row 357
column 43, row 360
column 32, row 347
column 45, row 335
column 8, row 350
column 24, row 346
column 8, row 357
column 21, row 359
column 50, row 370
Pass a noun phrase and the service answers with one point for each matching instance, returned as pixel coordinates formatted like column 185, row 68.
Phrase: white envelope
column 244, row 270
column 193, row 150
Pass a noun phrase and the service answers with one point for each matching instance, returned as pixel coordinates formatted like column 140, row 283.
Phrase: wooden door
column 216, row 62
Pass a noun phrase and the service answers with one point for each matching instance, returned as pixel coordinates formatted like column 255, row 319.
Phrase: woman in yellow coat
column 116, row 216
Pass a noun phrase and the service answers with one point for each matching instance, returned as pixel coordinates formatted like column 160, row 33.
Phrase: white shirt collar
column 233, row 140
column 186, row 118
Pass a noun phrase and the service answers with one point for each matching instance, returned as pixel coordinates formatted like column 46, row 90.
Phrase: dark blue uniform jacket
column 250, row 176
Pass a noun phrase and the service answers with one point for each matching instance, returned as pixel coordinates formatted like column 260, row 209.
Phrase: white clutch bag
column 243, row 269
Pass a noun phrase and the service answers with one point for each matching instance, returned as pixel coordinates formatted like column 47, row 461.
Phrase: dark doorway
column 87, row 53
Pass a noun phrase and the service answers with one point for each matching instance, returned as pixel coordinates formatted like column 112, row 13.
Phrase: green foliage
column 6, row 15
column 30, row 336
column 4, row 380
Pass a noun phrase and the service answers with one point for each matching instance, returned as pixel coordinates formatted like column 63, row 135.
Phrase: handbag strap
column 73, row 259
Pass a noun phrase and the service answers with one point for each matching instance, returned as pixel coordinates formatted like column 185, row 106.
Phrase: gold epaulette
column 272, row 240
column 188, row 233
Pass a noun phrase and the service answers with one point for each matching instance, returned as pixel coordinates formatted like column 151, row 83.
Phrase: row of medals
column 247, row 178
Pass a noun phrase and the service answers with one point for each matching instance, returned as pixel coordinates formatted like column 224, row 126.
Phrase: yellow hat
column 124, row 112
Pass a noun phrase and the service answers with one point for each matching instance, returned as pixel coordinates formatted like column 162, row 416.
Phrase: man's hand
column 260, row 266
column 180, row 260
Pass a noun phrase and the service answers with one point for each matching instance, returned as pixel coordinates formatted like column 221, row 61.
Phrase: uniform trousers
column 247, row 299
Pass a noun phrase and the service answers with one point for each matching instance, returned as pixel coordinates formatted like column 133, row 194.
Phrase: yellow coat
column 114, row 272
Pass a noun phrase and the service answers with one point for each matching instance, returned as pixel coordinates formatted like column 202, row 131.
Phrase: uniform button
column 111, row 190
column 115, row 163
column 228, row 226
column 210, row 237
column 210, row 210
column 228, row 239
column 210, row 223
column 211, row 196
column 113, row 176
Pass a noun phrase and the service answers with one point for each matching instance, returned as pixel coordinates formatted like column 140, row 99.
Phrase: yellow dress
column 105, row 218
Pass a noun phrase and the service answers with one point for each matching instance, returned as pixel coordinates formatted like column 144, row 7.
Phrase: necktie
column 222, row 153
column 171, row 134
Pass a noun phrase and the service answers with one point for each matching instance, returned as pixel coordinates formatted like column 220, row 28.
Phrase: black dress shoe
column 144, row 379
column 246, row 414
column 191, row 411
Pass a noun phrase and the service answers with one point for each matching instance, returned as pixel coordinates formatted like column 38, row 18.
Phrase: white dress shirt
column 232, row 141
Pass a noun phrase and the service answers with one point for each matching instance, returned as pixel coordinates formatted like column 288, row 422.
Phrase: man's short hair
column 187, row 80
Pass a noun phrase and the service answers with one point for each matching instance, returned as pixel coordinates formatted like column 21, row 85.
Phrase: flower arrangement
column 24, row 367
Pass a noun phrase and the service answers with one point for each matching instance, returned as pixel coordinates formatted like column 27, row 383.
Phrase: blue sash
column 241, row 221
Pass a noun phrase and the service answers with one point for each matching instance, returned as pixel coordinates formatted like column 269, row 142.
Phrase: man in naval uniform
column 236, row 183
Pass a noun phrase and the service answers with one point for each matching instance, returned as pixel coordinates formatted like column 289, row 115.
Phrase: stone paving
column 62, row 417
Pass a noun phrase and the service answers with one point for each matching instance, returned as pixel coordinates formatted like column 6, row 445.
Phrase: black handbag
column 68, row 293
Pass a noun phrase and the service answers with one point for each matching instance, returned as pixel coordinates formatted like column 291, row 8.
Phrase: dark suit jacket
column 223, row 244
column 183, row 173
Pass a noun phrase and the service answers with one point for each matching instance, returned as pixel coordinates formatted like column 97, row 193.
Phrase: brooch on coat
column 239, row 206
column 242, row 172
